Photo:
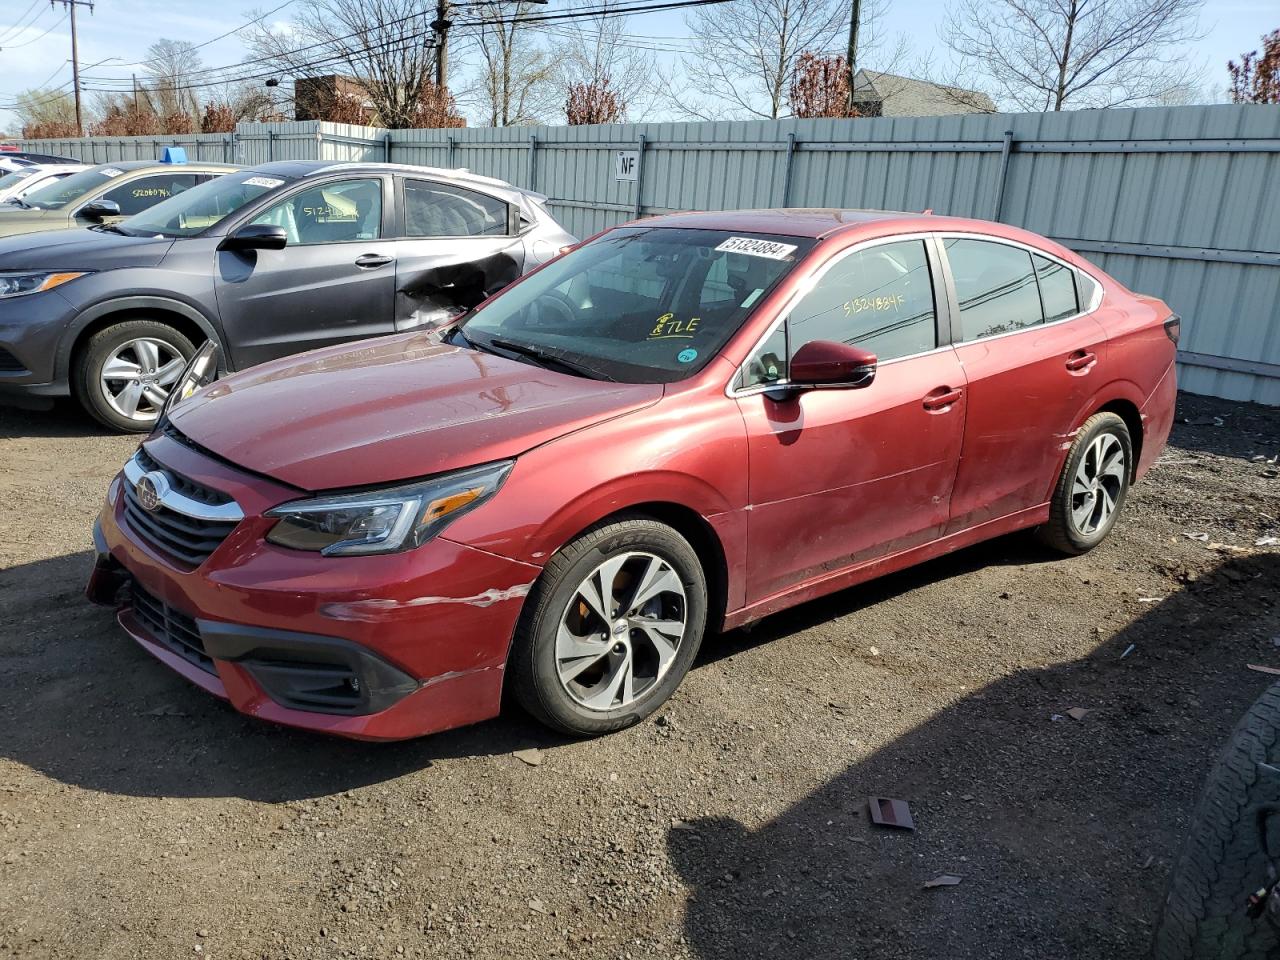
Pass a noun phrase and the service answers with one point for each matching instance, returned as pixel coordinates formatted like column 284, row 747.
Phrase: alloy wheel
column 620, row 631
column 1097, row 485
column 137, row 376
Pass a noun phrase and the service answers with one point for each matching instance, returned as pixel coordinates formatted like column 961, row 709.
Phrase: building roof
column 906, row 97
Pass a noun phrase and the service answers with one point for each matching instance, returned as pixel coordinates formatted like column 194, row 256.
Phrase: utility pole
column 75, row 55
column 855, row 16
column 441, row 26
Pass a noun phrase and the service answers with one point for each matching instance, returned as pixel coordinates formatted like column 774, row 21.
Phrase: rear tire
column 1225, row 856
column 147, row 355
column 1092, row 488
column 585, row 672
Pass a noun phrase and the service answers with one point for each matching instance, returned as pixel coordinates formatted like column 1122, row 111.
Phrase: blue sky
column 119, row 31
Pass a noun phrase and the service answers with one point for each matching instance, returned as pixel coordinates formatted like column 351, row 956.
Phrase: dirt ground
column 140, row 817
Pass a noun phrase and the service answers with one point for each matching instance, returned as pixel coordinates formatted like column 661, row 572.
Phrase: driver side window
column 336, row 212
column 879, row 298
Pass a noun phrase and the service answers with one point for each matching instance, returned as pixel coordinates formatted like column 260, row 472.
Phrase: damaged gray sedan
column 266, row 262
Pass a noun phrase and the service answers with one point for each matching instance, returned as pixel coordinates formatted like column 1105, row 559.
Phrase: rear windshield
column 640, row 305
column 62, row 192
column 199, row 208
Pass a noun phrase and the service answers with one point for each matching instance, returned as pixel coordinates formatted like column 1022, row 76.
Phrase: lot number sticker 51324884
column 770, row 249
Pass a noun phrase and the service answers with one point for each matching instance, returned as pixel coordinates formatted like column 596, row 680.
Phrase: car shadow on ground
column 89, row 707
column 1009, row 793
column 64, row 419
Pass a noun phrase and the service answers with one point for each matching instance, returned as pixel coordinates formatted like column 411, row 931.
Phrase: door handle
column 370, row 260
column 940, row 399
column 1081, row 360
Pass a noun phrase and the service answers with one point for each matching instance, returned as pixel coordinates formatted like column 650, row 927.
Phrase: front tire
column 1092, row 487
column 610, row 628
column 126, row 370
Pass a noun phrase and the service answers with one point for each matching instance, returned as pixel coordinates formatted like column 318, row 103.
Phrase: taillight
column 1173, row 328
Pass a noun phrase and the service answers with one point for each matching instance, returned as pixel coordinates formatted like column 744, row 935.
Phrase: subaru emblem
column 151, row 489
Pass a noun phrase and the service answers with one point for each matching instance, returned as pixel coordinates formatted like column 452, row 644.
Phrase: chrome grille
column 169, row 627
column 190, row 522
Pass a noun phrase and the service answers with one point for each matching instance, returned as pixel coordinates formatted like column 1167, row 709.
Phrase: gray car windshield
column 196, row 210
column 640, row 305
column 62, row 192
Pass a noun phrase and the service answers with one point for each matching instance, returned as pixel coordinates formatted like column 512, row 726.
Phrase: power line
column 19, row 26
column 26, row 43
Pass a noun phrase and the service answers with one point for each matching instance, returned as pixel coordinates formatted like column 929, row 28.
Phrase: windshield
column 641, row 305
column 13, row 179
column 199, row 208
column 62, row 192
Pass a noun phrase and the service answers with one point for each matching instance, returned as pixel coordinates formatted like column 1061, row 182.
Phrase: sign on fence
column 625, row 164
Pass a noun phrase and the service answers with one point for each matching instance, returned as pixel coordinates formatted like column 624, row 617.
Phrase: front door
column 838, row 477
column 334, row 280
column 1031, row 360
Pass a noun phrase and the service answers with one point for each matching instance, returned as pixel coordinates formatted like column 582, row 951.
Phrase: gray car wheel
column 126, row 370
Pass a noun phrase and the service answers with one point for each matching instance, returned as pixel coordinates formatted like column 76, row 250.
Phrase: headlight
column 20, row 284
column 385, row 521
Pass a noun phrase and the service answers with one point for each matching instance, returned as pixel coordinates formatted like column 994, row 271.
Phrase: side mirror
column 99, row 210
column 828, row 365
column 256, row 236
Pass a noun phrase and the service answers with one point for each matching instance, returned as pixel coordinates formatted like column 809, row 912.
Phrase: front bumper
column 379, row 648
column 31, row 333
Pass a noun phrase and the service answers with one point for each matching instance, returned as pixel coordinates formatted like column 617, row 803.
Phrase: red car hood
column 392, row 409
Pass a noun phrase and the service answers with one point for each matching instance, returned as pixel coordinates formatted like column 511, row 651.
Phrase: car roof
column 305, row 168
column 821, row 222
column 132, row 166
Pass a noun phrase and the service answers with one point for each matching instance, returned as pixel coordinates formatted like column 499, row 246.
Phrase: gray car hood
column 80, row 249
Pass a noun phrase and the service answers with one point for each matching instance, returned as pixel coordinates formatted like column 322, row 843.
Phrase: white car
column 32, row 176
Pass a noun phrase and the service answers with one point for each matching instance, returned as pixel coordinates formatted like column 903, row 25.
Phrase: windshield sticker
column 755, row 295
column 667, row 327
column 269, row 183
column 687, row 356
column 110, row 172
column 752, row 247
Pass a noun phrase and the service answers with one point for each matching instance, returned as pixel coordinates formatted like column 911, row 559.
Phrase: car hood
column 392, row 409
column 78, row 249
column 15, row 219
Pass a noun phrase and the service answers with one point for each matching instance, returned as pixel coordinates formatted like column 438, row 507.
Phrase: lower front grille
column 10, row 364
column 169, row 627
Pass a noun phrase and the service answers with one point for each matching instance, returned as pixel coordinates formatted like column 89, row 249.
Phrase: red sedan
column 684, row 424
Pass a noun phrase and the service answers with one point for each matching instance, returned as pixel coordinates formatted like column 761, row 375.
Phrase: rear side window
column 996, row 287
column 437, row 210
column 145, row 192
column 1057, row 288
column 340, row 211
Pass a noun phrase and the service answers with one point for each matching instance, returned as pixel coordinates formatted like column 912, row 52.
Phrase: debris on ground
column 888, row 812
column 945, row 880
column 531, row 756
column 1259, row 668
column 1077, row 713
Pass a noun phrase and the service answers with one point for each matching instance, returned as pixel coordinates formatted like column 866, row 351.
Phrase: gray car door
column 456, row 246
column 333, row 281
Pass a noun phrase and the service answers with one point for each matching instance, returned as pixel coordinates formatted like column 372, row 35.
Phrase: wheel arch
column 184, row 318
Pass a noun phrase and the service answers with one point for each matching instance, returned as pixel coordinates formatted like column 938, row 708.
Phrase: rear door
column 455, row 247
column 1032, row 359
column 333, row 281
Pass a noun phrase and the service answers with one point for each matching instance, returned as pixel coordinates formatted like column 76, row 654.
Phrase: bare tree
column 820, row 87
column 171, row 88
column 597, row 59
column 592, row 103
column 46, row 113
column 1060, row 54
column 517, row 76
column 382, row 44
column 745, row 54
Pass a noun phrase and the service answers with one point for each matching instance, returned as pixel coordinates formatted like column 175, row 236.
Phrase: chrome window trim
column 924, row 235
column 944, row 235
column 178, row 503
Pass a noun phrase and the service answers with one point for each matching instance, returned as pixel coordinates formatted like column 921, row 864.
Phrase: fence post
column 386, row 147
column 450, row 164
column 533, row 153
column 786, row 173
column 1003, row 175
column 271, row 139
column 639, row 172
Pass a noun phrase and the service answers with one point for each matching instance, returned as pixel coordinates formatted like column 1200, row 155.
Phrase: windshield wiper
column 547, row 358
column 113, row 228
column 18, row 201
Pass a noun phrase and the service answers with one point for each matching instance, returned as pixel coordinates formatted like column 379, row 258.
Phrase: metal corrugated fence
column 1180, row 202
